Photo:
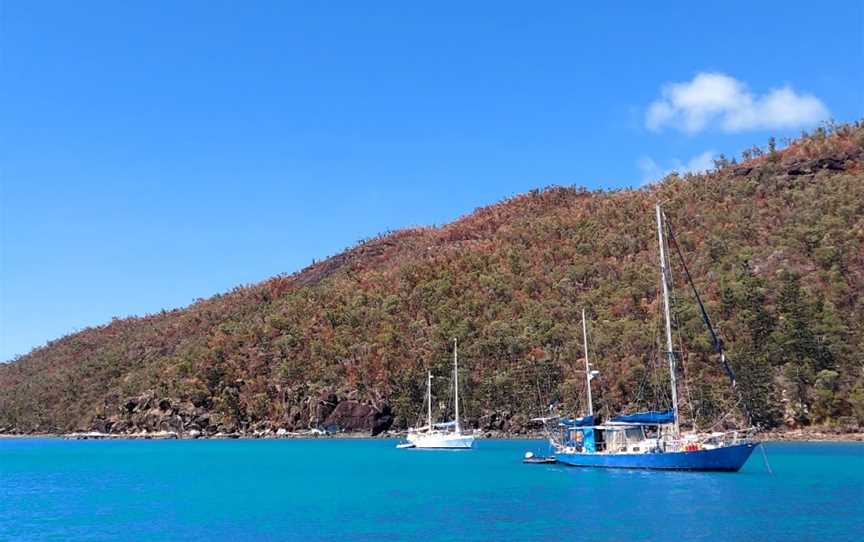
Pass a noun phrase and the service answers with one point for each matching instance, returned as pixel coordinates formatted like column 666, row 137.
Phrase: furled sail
column 445, row 425
column 584, row 421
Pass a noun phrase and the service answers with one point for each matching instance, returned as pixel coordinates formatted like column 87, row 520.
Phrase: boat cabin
column 635, row 433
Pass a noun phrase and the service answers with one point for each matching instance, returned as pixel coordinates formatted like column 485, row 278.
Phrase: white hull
column 441, row 440
column 446, row 435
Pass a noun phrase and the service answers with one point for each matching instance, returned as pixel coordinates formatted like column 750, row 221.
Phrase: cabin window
column 617, row 441
column 634, row 434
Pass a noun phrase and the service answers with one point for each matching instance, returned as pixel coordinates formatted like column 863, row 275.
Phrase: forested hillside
column 775, row 243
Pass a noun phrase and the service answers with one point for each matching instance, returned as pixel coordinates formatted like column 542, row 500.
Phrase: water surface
column 354, row 490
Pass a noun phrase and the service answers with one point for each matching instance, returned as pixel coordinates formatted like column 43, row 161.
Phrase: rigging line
column 681, row 349
column 687, row 393
column 738, row 404
column 653, row 362
column 673, row 315
column 682, row 358
column 723, row 418
column 646, row 385
column 718, row 344
column 662, row 392
column 765, row 458
column 660, row 396
column 644, row 381
column 539, row 393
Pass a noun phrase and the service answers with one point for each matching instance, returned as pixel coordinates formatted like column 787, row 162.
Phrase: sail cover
column 578, row 422
column 444, row 425
column 650, row 417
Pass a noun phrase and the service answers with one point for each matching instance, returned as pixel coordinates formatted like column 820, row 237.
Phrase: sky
column 153, row 153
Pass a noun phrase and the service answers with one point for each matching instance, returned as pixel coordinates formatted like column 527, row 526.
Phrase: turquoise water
column 352, row 490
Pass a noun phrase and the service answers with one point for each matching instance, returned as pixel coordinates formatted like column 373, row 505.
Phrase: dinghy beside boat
column 532, row 459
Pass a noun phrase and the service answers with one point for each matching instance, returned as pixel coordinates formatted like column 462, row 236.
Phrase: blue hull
column 728, row 458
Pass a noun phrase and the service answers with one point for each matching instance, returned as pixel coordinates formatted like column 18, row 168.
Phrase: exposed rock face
column 354, row 416
column 804, row 167
column 327, row 403
column 150, row 413
column 146, row 412
column 492, row 421
column 517, row 425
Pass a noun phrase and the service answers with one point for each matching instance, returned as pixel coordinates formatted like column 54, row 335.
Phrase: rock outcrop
column 354, row 416
column 151, row 414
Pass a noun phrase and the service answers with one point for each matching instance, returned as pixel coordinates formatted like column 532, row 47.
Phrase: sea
column 367, row 490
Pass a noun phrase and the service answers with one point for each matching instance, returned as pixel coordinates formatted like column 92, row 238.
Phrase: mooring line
column 765, row 458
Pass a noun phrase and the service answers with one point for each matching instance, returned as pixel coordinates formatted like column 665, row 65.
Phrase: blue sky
column 154, row 153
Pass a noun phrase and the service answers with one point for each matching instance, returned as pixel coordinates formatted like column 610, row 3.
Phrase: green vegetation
column 775, row 243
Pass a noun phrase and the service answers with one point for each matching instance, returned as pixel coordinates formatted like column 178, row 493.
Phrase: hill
column 775, row 243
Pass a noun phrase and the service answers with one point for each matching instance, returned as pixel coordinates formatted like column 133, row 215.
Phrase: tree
column 753, row 364
column 825, row 407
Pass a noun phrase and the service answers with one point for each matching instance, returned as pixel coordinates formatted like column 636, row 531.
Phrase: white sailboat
column 440, row 435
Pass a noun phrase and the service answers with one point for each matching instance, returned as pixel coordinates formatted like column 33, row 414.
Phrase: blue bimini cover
column 578, row 422
column 651, row 417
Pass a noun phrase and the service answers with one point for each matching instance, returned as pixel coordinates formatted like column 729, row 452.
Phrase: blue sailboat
column 653, row 439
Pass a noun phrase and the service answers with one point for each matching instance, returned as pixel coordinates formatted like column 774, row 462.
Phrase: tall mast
column 429, row 393
column 670, row 354
column 456, row 380
column 587, row 365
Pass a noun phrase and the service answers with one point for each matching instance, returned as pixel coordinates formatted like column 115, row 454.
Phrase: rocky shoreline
column 799, row 435
column 325, row 415
column 796, row 435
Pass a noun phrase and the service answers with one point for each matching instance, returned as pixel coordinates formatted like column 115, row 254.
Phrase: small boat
column 447, row 435
column 538, row 458
column 653, row 439
column 532, row 459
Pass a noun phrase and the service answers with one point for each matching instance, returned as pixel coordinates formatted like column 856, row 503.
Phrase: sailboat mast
column 670, row 354
column 587, row 365
column 429, row 393
column 456, row 380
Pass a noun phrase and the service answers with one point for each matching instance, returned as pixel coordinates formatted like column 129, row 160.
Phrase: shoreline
column 781, row 436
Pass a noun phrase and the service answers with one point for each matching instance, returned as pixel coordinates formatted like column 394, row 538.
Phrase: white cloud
column 652, row 171
column 710, row 98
